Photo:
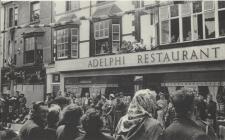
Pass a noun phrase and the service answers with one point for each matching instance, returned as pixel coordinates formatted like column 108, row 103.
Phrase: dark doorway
column 83, row 91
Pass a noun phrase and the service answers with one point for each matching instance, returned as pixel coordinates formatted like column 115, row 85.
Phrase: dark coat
column 184, row 129
column 31, row 131
column 149, row 129
column 67, row 132
column 50, row 134
column 99, row 136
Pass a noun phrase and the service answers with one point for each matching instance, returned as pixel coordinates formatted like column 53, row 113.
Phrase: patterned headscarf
column 143, row 104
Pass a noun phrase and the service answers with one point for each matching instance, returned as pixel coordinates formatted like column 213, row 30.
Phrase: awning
column 109, row 10
column 68, row 19
column 33, row 32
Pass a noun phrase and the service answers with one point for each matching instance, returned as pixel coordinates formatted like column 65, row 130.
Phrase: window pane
column 198, row 26
column 74, row 31
column 97, row 34
column 208, row 5
column 209, row 25
column 186, row 28
column 221, row 4
column 116, row 36
column 116, row 29
column 102, row 46
column 175, row 30
column 106, row 32
column 75, row 5
column 174, row 11
column 101, row 25
column 222, row 23
column 164, row 13
column 186, row 9
column 36, row 6
column 74, row 39
column 165, row 31
column 106, row 24
column 96, row 26
column 197, row 6
column 101, row 33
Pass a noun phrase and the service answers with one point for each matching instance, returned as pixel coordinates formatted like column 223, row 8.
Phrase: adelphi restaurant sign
column 156, row 57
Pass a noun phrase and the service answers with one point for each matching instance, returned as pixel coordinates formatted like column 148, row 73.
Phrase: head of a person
column 71, row 115
column 209, row 97
column 39, row 113
column 120, row 94
column 183, row 102
column 21, row 95
column 61, row 101
column 91, row 121
column 111, row 96
column 143, row 102
column 87, row 94
column 200, row 97
column 53, row 116
column 161, row 96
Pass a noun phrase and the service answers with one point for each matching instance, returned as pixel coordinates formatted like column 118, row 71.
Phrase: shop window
column 72, row 5
column 104, row 42
column 67, row 42
column 35, row 11
column 221, row 15
column 10, row 17
column 29, row 50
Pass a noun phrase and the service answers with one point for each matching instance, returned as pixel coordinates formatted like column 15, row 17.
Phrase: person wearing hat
column 183, row 127
column 162, row 106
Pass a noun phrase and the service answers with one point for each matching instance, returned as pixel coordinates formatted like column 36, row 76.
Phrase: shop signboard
column 146, row 58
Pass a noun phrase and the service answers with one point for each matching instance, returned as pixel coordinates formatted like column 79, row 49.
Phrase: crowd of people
column 185, row 115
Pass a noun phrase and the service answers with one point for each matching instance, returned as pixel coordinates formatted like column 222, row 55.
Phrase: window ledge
column 35, row 22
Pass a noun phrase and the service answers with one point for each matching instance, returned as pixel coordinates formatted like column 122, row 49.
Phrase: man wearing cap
column 183, row 128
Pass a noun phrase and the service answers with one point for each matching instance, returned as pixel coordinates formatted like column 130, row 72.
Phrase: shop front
column 198, row 67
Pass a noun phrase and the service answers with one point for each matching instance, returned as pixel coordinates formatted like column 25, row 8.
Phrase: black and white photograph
column 112, row 70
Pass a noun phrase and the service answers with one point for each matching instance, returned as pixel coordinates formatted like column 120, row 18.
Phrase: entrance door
column 83, row 91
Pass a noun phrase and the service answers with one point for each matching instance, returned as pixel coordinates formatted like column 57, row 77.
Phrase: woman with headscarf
column 138, row 123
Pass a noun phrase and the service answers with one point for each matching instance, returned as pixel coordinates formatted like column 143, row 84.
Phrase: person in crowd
column 211, row 111
column 61, row 101
column 70, row 120
column 22, row 102
column 5, row 109
column 162, row 107
column 124, row 47
column 138, row 123
column 96, row 98
column 183, row 128
column 92, row 124
column 86, row 101
column 48, row 99
column 100, row 104
column 33, row 129
column 52, row 122
column 78, row 100
column 202, row 107
column 8, row 134
column 203, row 124
column 140, row 46
column 107, row 110
column 169, row 114
column 119, row 110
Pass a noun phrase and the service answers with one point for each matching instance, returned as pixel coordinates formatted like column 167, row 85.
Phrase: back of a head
column 53, row 115
column 183, row 101
column 71, row 114
column 91, row 121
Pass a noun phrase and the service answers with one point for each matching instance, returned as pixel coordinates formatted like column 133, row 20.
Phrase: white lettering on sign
column 157, row 57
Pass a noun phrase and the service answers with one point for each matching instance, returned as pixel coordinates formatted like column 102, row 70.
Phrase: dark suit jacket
column 95, row 137
column 184, row 129
column 31, row 131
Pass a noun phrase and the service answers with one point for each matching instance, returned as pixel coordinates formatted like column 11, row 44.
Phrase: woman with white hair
column 138, row 123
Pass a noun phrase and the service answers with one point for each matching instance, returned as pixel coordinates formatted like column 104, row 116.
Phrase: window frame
column 215, row 11
column 69, row 54
column 32, row 11
column 11, row 17
column 16, row 16
column 34, row 49
column 119, row 34
column 68, row 5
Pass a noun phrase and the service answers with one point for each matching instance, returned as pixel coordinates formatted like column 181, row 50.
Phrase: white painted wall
column 84, row 50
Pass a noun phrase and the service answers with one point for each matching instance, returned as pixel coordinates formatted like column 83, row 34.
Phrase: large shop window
column 29, row 50
column 106, row 43
column 67, row 43
column 198, row 20
column 35, row 11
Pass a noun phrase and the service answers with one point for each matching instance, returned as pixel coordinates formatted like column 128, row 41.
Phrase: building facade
column 184, row 47
column 26, row 49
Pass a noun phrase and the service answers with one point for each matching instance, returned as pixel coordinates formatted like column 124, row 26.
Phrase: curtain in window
column 213, row 90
